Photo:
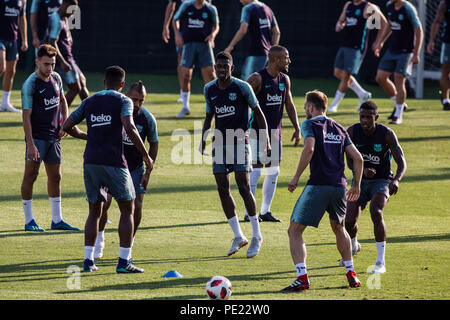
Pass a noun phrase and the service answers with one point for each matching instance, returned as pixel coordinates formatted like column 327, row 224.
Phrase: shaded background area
column 128, row 33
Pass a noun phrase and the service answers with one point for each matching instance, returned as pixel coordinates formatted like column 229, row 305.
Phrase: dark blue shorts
column 370, row 187
column 253, row 64
column 136, row 176
column 348, row 59
column 49, row 151
column 69, row 77
column 315, row 200
column 229, row 158
column 445, row 53
column 99, row 180
column 197, row 52
column 396, row 62
column 11, row 50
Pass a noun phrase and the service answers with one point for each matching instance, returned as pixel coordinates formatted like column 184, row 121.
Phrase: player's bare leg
column 377, row 206
column 445, row 86
column 9, row 71
column 186, row 91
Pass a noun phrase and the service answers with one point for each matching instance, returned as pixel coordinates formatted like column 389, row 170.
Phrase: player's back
column 260, row 19
column 327, row 164
column 103, row 112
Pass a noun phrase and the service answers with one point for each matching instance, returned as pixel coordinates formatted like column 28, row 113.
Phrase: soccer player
column 325, row 143
column 442, row 16
column 227, row 103
column 146, row 124
column 171, row 8
column 196, row 24
column 41, row 10
column 12, row 20
column 354, row 22
column 107, row 114
column 273, row 91
column 403, row 52
column 43, row 106
column 377, row 145
column 259, row 21
column 61, row 38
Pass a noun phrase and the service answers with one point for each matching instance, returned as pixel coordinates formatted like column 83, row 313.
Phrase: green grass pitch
column 184, row 229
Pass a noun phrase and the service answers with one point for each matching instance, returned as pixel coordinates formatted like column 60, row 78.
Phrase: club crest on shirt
column 377, row 147
column 281, row 86
column 139, row 127
column 232, row 96
column 205, row 15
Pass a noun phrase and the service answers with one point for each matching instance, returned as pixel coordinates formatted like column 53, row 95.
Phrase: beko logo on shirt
column 351, row 22
column 196, row 23
column 395, row 25
column 274, row 99
column 11, row 12
column 225, row 111
column 371, row 158
column 264, row 23
column 332, row 138
column 101, row 120
column 51, row 103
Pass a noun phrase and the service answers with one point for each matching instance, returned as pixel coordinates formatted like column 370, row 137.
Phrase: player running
column 355, row 23
column 442, row 16
column 196, row 25
column 107, row 114
column 227, row 102
column 325, row 143
column 43, row 106
column 146, row 124
column 61, row 38
column 259, row 21
column 12, row 20
column 41, row 11
column 273, row 91
column 171, row 8
column 377, row 145
column 403, row 52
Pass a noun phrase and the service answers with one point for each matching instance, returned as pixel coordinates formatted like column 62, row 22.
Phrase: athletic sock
column 301, row 269
column 254, row 178
column 100, row 238
column 394, row 99
column 28, row 210
column 254, row 220
column 381, row 247
column 125, row 253
column 185, row 97
column 445, row 101
column 354, row 242
column 5, row 98
column 337, row 98
column 269, row 187
column 56, row 209
column 89, row 252
column 349, row 266
column 398, row 110
column 356, row 87
column 234, row 224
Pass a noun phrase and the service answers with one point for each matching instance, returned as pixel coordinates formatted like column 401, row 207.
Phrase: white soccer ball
column 218, row 288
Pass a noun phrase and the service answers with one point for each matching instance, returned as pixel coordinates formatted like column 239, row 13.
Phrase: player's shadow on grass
column 47, row 232
column 10, row 124
column 416, row 139
column 399, row 239
column 42, row 196
column 20, row 269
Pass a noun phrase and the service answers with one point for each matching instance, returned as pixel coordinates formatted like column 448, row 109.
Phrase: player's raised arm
column 399, row 158
column 305, row 159
column 358, row 166
column 170, row 9
column 340, row 24
column 292, row 113
column 439, row 18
